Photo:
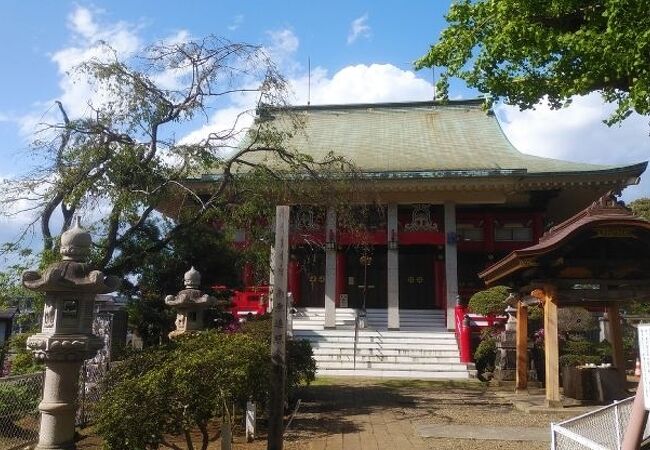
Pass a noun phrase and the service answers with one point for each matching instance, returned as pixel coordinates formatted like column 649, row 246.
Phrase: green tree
column 124, row 158
column 526, row 50
column 169, row 391
column 490, row 301
column 641, row 207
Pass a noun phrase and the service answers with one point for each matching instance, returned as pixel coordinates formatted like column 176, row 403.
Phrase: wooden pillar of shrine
column 521, row 342
column 551, row 348
column 616, row 338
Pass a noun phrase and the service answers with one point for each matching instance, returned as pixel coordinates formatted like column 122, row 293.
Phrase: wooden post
column 633, row 436
column 616, row 338
column 522, row 347
column 278, row 342
column 251, row 421
column 551, row 354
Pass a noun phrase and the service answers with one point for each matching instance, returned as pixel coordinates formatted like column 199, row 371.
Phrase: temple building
column 449, row 194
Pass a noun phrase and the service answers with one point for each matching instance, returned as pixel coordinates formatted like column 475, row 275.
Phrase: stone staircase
column 422, row 348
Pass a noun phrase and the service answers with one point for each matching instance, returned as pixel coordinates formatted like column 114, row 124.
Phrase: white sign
column 644, row 353
column 343, row 300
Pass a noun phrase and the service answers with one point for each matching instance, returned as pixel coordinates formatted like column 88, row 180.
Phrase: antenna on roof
column 433, row 81
column 308, row 81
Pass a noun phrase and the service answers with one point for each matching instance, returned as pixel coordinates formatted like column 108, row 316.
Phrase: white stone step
column 383, row 365
column 379, row 334
column 426, row 353
column 377, row 358
column 451, row 375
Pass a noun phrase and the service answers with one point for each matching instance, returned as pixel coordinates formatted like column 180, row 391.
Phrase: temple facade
column 441, row 194
column 438, row 195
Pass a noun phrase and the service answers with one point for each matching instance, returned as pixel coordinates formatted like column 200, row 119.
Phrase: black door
column 416, row 277
column 312, row 277
column 366, row 271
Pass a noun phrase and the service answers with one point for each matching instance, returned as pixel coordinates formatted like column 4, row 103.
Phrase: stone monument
column 506, row 360
column 190, row 305
column 66, row 338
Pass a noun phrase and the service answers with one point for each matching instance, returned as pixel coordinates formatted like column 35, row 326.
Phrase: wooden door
column 416, row 277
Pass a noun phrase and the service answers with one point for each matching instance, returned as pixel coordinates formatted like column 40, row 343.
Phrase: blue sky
column 360, row 51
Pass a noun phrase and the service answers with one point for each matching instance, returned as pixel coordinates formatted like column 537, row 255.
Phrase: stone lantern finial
column 192, row 279
column 75, row 242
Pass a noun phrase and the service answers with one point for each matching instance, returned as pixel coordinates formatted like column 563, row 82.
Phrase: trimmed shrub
column 172, row 389
column 490, row 301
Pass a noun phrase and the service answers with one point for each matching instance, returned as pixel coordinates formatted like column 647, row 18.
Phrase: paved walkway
column 394, row 414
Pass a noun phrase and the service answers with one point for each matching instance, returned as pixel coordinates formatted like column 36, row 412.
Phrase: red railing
column 463, row 334
column 467, row 323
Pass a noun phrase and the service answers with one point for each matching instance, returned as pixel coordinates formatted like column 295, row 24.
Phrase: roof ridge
column 476, row 102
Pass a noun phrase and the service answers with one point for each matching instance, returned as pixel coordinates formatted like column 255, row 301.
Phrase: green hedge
column 171, row 389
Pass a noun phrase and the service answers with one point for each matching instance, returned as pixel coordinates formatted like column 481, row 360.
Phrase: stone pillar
column 66, row 337
column 190, row 305
column 393, row 269
column 451, row 262
column 330, row 269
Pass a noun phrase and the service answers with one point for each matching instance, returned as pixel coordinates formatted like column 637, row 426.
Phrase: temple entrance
column 312, row 277
column 366, row 270
column 417, row 277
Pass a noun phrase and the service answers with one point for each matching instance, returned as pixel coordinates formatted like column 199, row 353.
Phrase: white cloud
column 236, row 22
column 577, row 133
column 375, row 83
column 90, row 39
column 228, row 121
column 362, row 84
column 359, row 28
column 282, row 47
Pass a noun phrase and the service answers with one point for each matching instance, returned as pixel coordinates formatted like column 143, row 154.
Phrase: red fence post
column 463, row 334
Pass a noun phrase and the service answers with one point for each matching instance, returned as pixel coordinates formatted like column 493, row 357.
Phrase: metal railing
column 601, row 429
column 19, row 416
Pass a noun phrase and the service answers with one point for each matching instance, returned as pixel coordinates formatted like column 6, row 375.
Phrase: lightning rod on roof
column 308, row 81
column 433, row 81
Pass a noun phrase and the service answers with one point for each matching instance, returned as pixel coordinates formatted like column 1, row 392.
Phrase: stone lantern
column 190, row 304
column 66, row 338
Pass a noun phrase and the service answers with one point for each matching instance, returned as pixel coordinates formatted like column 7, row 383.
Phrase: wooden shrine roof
column 600, row 254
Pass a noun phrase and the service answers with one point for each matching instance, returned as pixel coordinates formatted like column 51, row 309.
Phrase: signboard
column 644, row 353
column 343, row 300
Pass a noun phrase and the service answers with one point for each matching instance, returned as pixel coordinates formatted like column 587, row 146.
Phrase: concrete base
column 516, row 434
column 554, row 404
column 71, row 446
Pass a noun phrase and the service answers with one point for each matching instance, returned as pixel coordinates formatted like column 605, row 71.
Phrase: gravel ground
column 383, row 414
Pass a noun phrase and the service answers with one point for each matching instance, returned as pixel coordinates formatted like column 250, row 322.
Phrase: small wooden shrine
column 599, row 258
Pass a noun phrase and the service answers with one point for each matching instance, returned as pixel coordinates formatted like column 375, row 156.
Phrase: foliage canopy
column 527, row 50
column 490, row 301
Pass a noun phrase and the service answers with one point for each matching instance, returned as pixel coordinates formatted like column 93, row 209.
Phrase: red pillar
column 488, row 233
column 340, row 276
column 247, row 274
column 293, row 280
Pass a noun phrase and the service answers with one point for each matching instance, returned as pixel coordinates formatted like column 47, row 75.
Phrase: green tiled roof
column 407, row 138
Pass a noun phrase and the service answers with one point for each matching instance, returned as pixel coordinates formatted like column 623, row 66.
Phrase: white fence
column 601, row 429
